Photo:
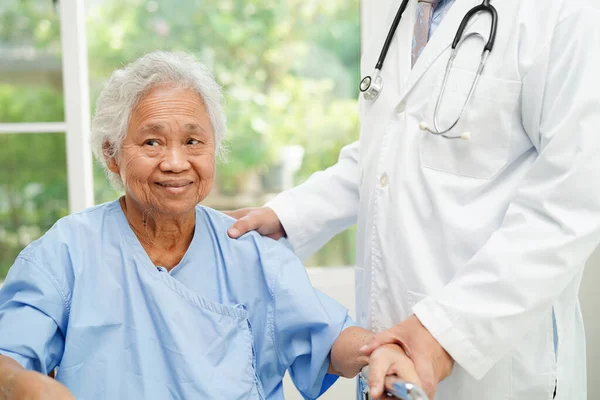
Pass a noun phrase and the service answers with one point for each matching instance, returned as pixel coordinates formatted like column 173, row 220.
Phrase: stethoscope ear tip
column 466, row 136
column 423, row 126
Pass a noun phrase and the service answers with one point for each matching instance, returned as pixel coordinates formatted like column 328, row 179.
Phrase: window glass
column 33, row 190
column 30, row 65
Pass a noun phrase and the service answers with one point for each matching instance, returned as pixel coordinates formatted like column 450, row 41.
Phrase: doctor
column 470, row 252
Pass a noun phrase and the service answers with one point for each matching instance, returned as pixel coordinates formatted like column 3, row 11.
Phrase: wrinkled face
column 167, row 160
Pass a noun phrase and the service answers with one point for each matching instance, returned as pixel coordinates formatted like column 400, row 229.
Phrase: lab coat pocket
column 488, row 119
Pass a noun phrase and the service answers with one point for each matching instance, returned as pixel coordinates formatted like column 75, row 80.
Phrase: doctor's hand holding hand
column 261, row 219
column 431, row 362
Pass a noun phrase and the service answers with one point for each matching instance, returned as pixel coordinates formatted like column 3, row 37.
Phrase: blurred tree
column 289, row 69
column 266, row 54
column 27, row 23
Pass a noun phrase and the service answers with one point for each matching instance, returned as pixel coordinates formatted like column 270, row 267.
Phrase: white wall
column 590, row 304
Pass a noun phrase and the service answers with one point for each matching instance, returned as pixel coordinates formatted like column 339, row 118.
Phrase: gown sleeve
column 33, row 316
column 307, row 323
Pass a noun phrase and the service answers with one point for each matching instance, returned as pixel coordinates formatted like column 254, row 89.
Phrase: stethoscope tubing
column 390, row 35
column 372, row 85
column 484, row 7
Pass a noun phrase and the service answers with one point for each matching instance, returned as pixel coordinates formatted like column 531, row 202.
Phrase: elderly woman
column 147, row 297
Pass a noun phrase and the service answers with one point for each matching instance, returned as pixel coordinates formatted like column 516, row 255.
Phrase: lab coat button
column 400, row 107
column 384, row 180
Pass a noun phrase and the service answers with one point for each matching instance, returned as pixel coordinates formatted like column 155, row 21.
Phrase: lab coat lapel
column 437, row 45
column 403, row 41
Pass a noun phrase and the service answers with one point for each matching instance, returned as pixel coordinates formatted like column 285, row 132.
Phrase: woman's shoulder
column 219, row 223
column 71, row 231
column 56, row 253
column 250, row 248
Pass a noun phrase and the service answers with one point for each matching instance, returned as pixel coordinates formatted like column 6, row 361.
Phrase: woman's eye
column 193, row 141
column 151, row 142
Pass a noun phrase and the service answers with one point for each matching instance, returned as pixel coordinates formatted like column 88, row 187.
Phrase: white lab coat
column 484, row 240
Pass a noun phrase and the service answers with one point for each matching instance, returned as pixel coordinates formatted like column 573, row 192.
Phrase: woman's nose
column 175, row 160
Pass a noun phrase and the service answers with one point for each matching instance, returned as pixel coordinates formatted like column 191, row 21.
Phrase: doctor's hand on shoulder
column 430, row 361
column 261, row 219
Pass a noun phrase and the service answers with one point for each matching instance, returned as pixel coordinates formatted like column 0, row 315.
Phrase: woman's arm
column 9, row 369
column 32, row 319
column 19, row 383
column 346, row 359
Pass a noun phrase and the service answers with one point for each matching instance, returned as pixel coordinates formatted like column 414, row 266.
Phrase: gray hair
column 126, row 87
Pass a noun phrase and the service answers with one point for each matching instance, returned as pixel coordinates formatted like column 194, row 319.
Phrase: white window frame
column 77, row 104
column 33, row 127
column 80, row 179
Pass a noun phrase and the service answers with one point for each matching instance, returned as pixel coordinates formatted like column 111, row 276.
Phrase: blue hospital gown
column 226, row 323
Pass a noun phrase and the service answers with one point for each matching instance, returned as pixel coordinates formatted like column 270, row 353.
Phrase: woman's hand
column 30, row 385
column 262, row 219
column 431, row 361
column 388, row 360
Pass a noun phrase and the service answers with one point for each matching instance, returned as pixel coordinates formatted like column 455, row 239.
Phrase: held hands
column 30, row 385
column 425, row 362
column 263, row 220
column 389, row 360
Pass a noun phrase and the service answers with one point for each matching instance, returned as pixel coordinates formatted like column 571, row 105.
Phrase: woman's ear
column 109, row 156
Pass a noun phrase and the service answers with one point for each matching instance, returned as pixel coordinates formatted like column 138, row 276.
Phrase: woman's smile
column 175, row 186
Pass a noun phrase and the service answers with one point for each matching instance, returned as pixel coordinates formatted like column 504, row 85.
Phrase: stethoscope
column 372, row 85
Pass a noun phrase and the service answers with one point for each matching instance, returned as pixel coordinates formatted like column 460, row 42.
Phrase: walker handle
column 395, row 388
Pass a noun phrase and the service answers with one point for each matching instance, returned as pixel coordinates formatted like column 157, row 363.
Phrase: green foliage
column 26, row 104
column 29, row 23
column 288, row 68
column 33, row 187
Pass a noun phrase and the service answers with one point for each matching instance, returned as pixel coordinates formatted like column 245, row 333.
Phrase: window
column 33, row 177
column 30, row 69
column 33, row 190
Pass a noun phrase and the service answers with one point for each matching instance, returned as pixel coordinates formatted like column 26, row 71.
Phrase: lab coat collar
column 437, row 45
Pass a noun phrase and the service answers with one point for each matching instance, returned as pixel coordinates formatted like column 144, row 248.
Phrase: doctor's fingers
column 381, row 339
column 390, row 362
column 239, row 213
column 263, row 220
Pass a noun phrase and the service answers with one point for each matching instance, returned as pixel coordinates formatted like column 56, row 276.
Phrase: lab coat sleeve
column 553, row 223
column 326, row 204
column 306, row 324
column 33, row 317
